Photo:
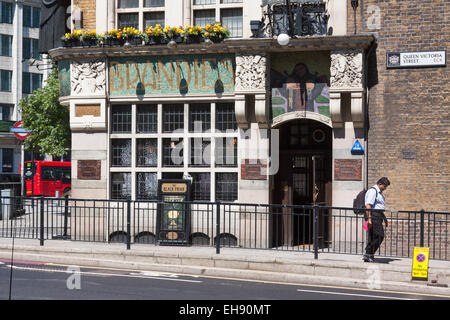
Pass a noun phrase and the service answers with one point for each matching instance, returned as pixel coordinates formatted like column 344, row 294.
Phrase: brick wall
column 88, row 9
column 408, row 139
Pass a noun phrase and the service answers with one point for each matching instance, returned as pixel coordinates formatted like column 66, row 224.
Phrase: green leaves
column 49, row 120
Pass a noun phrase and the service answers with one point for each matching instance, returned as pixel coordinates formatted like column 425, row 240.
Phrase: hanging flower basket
column 113, row 38
column 193, row 34
column 216, row 33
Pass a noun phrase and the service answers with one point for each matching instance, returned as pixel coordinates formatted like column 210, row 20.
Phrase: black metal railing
column 316, row 229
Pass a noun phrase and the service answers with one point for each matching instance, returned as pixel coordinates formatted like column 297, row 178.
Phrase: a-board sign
column 174, row 216
column 420, row 263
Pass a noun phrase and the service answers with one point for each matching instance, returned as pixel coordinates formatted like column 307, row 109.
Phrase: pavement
column 387, row 273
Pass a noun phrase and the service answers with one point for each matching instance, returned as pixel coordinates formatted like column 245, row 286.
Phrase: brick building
column 408, row 109
column 273, row 116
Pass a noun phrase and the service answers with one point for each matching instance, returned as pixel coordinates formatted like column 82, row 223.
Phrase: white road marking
column 353, row 294
column 156, row 276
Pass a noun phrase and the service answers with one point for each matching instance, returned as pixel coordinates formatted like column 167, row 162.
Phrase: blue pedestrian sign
column 357, row 147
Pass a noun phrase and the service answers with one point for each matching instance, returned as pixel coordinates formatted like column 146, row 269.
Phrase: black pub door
column 304, row 179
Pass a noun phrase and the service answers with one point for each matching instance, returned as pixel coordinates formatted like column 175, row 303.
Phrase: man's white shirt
column 371, row 194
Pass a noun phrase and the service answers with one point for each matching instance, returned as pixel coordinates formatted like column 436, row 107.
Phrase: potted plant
column 113, row 38
column 132, row 35
column 215, row 32
column 89, row 39
column 173, row 34
column 154, row 34
column 193, row 34
column 72, row 39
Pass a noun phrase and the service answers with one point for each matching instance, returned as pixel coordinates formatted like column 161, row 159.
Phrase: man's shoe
column 368, row 258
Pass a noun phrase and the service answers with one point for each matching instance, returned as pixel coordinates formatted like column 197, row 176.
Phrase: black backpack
column 359, row 206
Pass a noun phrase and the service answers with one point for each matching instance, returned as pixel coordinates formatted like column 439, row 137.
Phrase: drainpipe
column 366, row 112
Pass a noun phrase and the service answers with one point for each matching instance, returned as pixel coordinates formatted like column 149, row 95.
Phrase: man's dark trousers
column 376, row 233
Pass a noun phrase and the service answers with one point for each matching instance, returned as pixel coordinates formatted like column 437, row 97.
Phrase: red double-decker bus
column 45, row 178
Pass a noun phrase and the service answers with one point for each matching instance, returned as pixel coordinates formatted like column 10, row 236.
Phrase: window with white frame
column 228, row 12
column 165, row 140
column 140, row 13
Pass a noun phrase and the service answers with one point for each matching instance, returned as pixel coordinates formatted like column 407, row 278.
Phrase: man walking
column 374, row 202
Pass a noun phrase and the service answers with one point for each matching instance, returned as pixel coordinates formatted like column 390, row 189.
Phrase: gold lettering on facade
column 204, row 68
column 115, row 75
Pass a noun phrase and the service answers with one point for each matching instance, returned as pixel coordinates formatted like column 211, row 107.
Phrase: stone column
column 88, row 122
column 347, row 114
column 252, row 115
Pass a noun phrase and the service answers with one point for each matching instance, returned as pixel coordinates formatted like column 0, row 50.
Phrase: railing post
column 217, row 228
column 422, row 227
column 41, row 227
column 316, row 232
column 66, row 213
column 128, row 224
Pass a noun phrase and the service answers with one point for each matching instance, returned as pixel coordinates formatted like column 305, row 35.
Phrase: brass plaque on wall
column 348, row 169
column 87, row 110
column 89, row 169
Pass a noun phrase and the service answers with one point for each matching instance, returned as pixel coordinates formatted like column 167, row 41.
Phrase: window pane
column 36, row 80
column 232, row 19
column 204, row 17
column 6, row 45
column 121, row 119
column 204, row 1
column 26, row 82
column 6, row 76
column 121, row 152
column 26, row 16
column 201, row 186
column 7, row 160
column 7, row 12
column 121, row 185
column 146, row 186
column 154, row 18
column 199, row 117
column 5, row 111
column 36, row 17
column 128, row 3
column 173, row 117
column 226, row 186
column 154, row 3
column 225, row 118
column 127, row 20
column 35, row 49
column 26, row 48
column 173, row 152
column 200, row 152
column 147, row 119
column 226, row 152
column 147, row 152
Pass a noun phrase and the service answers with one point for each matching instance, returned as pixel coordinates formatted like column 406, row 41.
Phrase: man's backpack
column 359, row 203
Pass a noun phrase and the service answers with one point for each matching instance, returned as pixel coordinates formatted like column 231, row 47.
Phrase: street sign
column 357, row 147
column 19, row 131
column 420, row 263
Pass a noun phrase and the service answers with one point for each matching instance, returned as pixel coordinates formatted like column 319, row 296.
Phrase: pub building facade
column 249, row 119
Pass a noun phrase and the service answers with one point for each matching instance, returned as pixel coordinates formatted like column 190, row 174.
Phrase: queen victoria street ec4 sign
column 416, row 59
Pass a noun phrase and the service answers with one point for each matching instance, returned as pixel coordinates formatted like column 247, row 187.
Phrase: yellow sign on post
column 420, row 263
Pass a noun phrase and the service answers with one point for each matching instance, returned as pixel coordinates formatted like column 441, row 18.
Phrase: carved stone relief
column 250, row 72
column 88, row 77
column 346, row 69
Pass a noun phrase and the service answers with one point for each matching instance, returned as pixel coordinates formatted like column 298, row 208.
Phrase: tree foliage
column 47, row 118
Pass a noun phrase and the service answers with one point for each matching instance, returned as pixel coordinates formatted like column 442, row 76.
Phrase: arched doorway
column 304, row 178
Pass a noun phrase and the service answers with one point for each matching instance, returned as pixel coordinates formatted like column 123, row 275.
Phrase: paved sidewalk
column 388, row 273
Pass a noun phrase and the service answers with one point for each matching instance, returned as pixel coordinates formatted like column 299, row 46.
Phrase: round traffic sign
column 21, row 134
column 421, row 257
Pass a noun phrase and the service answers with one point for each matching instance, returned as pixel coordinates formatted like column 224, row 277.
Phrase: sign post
column 420, row 264
column 173, row 219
